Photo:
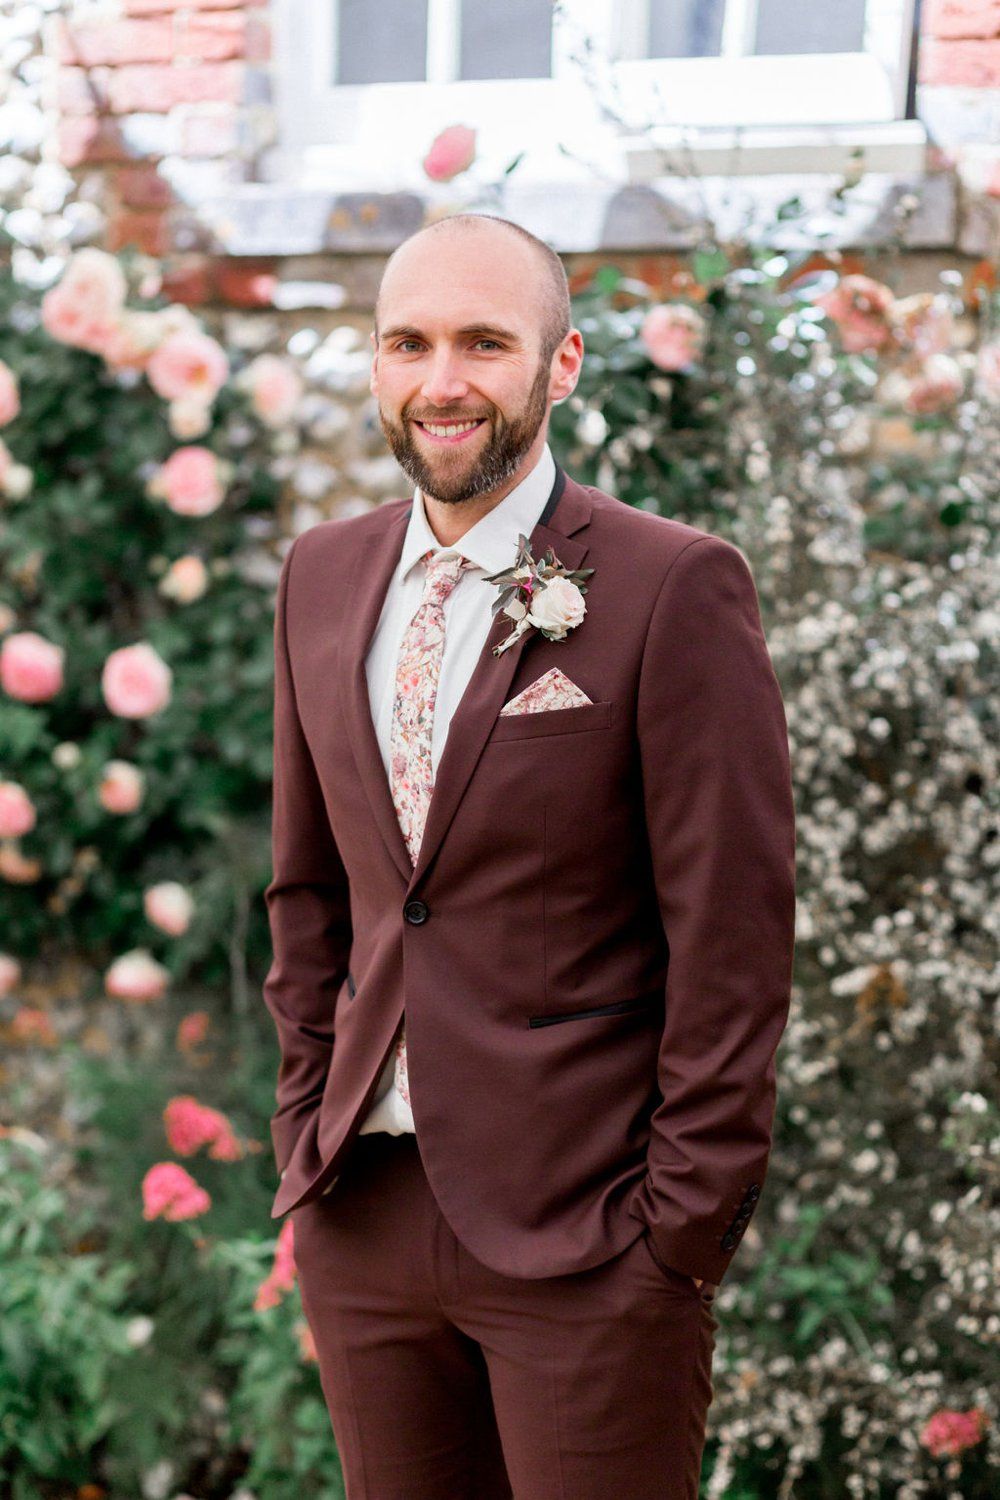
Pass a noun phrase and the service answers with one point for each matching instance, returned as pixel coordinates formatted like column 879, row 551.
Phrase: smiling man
column 532, row 914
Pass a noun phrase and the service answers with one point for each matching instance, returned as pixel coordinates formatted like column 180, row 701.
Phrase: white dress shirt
column 490, row 545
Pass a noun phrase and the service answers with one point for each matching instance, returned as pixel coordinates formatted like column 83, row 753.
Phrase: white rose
column 557, row 608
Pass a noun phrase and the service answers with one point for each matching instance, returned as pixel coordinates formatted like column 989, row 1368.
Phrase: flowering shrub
column 135, row 627
column 845, row 437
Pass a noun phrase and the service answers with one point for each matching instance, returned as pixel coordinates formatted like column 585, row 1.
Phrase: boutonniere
column 542, row 594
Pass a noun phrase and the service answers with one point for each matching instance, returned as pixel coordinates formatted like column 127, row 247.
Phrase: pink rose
column 190, row 481
column 31, row 668
column 134, row 337
column 862, row 310
column 10, row 973
column 451, row 152
column 189, row 418
column 281, row 1277
column 936, row 385
column 192, row 1029
column 169, row 1192
column 188, row 365
column 275, row 388
column 169, row 906
column 185, row 580
column 988, row 370
column 17, row 811
column 673, row 334
column 136, row 682
column 32, row 1024
column 83, row 309
column 923, row 323
column 190, row 1125
column 136, row 976
column 10, row 400
column 949, row 1432
column 121, row 787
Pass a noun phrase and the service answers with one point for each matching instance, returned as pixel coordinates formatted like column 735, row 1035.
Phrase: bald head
column 498, row 251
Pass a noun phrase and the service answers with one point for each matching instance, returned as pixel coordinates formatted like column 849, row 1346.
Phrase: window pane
column 381, row 43
column 796, row 26
column 509, row 40
column 685, row 28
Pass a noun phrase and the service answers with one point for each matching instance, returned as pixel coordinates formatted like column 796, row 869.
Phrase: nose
column 444, row 381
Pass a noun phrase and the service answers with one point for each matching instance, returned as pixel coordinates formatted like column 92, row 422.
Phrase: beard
column 454, row 477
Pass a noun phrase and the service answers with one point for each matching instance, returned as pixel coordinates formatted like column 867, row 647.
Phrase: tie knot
column 443, row 571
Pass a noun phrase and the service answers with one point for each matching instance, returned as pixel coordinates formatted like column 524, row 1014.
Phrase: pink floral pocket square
column 552, row 690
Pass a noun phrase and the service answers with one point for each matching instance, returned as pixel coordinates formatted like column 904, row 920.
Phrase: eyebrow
column 506, row 334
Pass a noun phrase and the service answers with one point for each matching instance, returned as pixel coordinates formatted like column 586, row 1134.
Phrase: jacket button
column 753, row 1192
column 728, row 1240
column 416, row 911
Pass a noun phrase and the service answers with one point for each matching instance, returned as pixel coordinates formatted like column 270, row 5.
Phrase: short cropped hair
column 557, row 313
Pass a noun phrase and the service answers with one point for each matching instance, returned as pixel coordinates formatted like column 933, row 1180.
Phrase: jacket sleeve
column 308, row 907
column 718, row 801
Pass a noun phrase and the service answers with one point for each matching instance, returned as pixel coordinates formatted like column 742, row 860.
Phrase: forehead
column 443, row 284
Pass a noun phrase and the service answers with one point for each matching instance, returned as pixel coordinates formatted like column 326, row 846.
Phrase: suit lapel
column 566, row 511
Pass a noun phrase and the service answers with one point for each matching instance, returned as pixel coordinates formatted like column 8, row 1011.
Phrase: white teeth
column 449, row 431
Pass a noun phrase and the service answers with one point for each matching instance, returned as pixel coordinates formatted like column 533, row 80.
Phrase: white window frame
column 732, row 114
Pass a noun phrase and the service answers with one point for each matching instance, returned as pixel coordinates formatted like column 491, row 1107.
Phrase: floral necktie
column 418, row 668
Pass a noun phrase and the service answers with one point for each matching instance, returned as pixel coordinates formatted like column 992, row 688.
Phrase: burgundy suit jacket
column 595, row 944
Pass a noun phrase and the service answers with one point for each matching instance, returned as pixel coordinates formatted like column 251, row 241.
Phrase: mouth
column 447, row 434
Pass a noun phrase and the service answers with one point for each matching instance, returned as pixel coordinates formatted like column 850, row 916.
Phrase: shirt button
column 416, row 911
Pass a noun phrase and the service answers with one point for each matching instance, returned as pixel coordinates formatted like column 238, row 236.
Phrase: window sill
column 649, row 194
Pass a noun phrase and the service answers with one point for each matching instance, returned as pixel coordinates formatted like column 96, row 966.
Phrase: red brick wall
column 164, row 78
column 177, row 78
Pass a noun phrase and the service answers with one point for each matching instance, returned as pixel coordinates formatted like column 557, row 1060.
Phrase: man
column 527, row 1023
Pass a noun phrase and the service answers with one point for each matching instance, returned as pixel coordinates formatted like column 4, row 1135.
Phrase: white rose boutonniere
column 544, row 595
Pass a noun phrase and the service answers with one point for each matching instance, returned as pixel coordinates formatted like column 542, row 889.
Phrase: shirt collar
column 491, row 544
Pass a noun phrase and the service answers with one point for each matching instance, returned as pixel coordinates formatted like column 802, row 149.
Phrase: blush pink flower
column 191, row 1125
column 31, row 1024
column 673, row 335
column 31, row 668
column 136, row 682
column 862, row 310
column 185, row 580
column 281, row 1277
column 935, row 386
column 923, row 323
column 452, row 151
column 188, row 365
column 170, row 1192
column 274, row 387
column 84, row 308
column 189, row 419
column 136, row 335
column 10, row 400
column 192, row 1029
column 190, row 481
column 17, row 811
column 121, row 787
column 10, row 973
column 949, row 1432
column 169, row 906
column 136, row 976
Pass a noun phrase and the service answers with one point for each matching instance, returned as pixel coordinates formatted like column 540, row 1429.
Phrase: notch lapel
column 566, row 511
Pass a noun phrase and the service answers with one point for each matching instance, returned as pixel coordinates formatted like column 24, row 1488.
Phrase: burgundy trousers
column 446, row 1380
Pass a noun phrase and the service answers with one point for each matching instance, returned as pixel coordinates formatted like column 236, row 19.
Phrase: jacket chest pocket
column 552, row 721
